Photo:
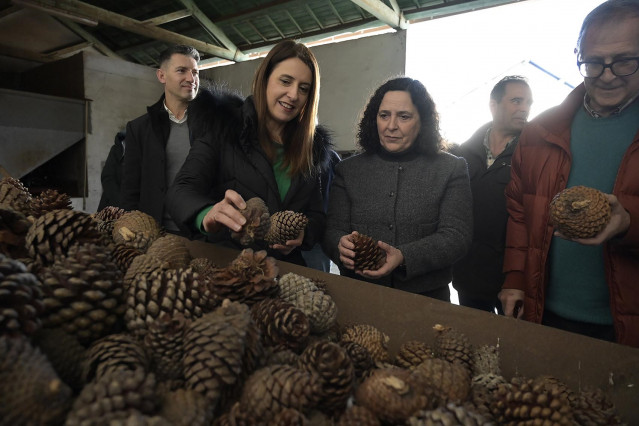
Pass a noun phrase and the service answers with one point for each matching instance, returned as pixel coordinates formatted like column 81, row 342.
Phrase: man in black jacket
column 478, row 276
column 158, row 142
column 111, row 176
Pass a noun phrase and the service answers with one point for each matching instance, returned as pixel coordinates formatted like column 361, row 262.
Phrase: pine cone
column 50, row 200
column 184, row 407
column 371, row 338
column 289, row 417
column 332, row 364
column 172, row 250
column 220, row 349
column 109, row 214
column 164, row 341
column 450, row 414
column 486, row 360
column 292, row 285
column 393, row 395
column 283, row 326
column 580, row 212
column 113, row 398
column 65, row 353
column 452, row 345
column 448, row 381
column 413, row 353
column 114, row 352
column 285, row 225
column 282, row 356
column 592, row 407
column 368, row 255
column 13, row 230
column 361, row 357
column 529, row 404
column 14, row 195
column 123, row 256
column 249, row 278
column 170, row 291
column 21, row 299
column 272, row 389
column 203, row 266
column 358, row 416
column 483, row 393
column 83, row 293
column 136, row 229
column 319, row 308
column 32, row 393
column 55, row 232
column 141, row 267
column 257, row 222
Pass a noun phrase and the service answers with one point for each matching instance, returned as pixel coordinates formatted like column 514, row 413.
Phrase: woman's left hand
column 290, row 245
column 394, row 258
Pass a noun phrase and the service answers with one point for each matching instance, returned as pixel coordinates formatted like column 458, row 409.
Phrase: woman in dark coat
column 269, row 147
column 404, row 192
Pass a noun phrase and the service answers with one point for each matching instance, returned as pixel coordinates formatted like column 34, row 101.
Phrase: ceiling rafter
column 101, row 47
column 378, row 9
column 169, row 17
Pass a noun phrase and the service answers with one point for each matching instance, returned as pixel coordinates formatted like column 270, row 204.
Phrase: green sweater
column 577, row 287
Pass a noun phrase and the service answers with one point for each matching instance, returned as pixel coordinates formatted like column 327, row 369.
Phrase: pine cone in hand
column 257, row 222
column 580, row 212
column 285, row 225
column 368, row 255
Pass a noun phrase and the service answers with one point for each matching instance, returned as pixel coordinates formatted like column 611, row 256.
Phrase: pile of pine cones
column 105, row 320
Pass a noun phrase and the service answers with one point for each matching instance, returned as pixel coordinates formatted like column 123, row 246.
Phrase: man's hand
column 510, row 298
column 226, row 213
column 618, row 224
column 290, row 245
column 394, row 258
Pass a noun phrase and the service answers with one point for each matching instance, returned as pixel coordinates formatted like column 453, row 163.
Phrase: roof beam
column 384, row 13
column 210, row 27
column 89, row 37
column 169, row 17
column 132, row 25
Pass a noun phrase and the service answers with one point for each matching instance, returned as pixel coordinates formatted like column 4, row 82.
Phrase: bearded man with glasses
column 588, row 286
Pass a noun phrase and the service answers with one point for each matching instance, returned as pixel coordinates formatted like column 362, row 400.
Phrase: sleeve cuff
column 200, row 218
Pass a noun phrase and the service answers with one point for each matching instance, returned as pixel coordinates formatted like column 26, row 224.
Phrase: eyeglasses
column 620, row 68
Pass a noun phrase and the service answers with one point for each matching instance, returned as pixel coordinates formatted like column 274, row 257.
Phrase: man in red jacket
column 588, row 286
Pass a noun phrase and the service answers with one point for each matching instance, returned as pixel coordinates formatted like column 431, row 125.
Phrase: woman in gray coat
column 404, row 192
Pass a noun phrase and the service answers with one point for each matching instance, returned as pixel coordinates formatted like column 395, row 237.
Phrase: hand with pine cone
column 226, row 213
column 367, row 257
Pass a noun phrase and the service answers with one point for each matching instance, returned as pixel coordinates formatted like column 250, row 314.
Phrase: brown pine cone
column 172, row 250
column 592, row 407
column 483, row 393
column 136, row 229
column 413, row 353
column 21, row 299
column 368, row 255
column 164, row 342
column 183, row 407
column 486, row 360
column 55, row 232
column 13, row 231
column 123, row 256
column 250, row 277
column 449, row 414
column 269, row 390
column 283, row 326
column 114, row 398
column 109, row 214
column 332, row 364
column 291, row 285
column 114, row 352
column 361, row 357
column 369, row 337
column 141, row 267
column 319, row 308
column 31, row 391
column 448, row 381
column 285, row 225
column 282, row 356
column 580, row 212
column 65, row 353
column 257, row 222
column 358, row 416
column 453, row 345
column 83, row 292
column 50, row 200
column 14, row 195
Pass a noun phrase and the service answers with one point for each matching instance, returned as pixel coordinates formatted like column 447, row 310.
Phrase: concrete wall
column 349, row 70
column 119, row 92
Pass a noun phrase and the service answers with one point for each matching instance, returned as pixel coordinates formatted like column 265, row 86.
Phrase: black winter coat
column 479, row 274
column 111, row 176
column 230, row 157
column 144, row 179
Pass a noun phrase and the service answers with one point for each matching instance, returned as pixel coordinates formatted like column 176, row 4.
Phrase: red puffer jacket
column 540, row 169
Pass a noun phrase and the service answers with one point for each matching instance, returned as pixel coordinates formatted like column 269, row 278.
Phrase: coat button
column 392, row 194
column 400, row 168
column 390, row 226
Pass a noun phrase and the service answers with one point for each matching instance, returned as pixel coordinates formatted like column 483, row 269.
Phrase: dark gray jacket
column 416, row 203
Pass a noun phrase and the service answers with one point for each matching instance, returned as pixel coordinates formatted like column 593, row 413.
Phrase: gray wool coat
column 420, row 204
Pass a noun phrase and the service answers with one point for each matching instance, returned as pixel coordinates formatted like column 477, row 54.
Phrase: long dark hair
column 429, row 140
column 298, row 133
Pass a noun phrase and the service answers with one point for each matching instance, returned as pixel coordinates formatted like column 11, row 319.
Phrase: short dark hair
column 607, row 11
column 181, row 49
column 429, row 140
column 499, row 90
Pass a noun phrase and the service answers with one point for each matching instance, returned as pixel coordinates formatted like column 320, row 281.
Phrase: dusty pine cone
column 368, row 255
column 291, row 285
column 172, row 250
column 250, row 277
column 114, row 352
column 55, row 232
column 486, row 360
column 257, row 222
column 183, row 407
column 83, row 292
column 453, row 345
column 13, row 231
column 283, row 326
column 593, row 407
column 31, row 391
column 285, row 225
column 319, row 308
column 21, row 299
column 375, row 341
column 136, row 229
column 483, row 392
column 50, row 200
column 14, row 195
column 449, row 414
column 413, row 353
column 580, row 212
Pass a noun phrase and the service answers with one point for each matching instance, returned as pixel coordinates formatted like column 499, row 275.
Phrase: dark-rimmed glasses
column 620, row 68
